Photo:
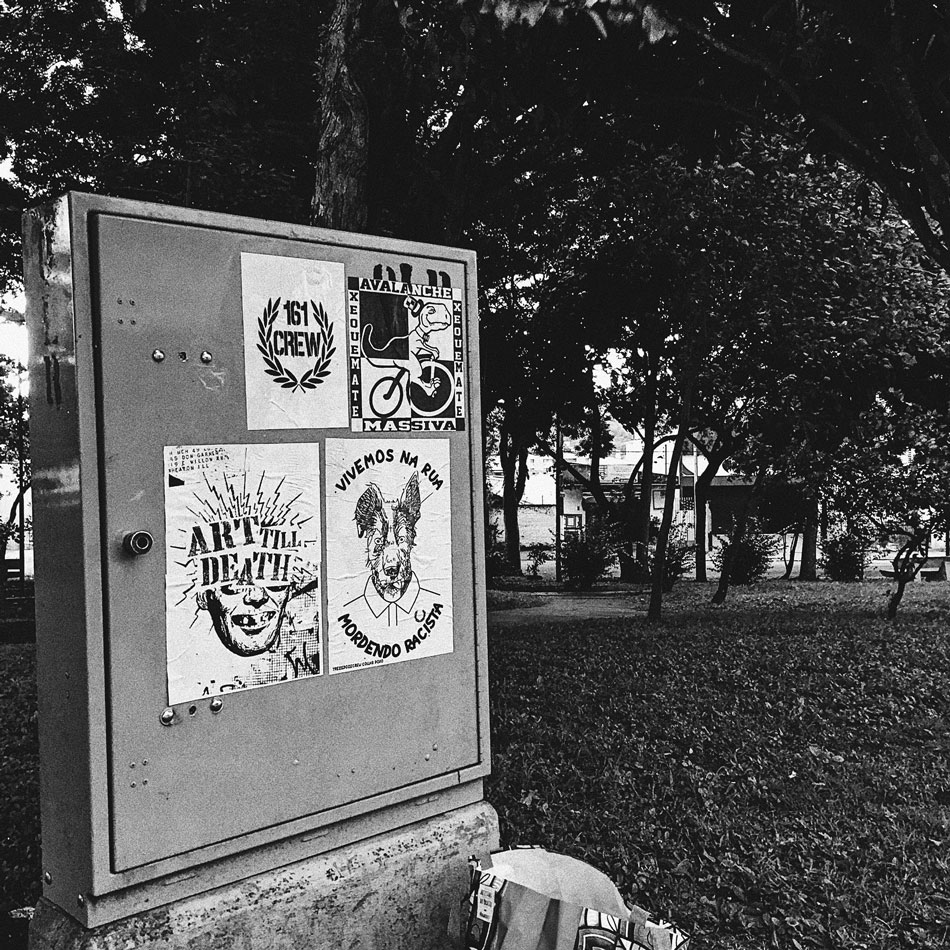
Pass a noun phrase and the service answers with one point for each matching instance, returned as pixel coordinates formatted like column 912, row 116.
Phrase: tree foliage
column 14, row 425
column 755, row 288
column 869, row 78
column 206, row 104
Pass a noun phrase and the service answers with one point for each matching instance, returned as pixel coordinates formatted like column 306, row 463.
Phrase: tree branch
column 595, row 489
column 875, row 166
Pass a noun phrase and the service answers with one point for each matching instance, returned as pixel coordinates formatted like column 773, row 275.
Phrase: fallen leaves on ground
column 771, row 775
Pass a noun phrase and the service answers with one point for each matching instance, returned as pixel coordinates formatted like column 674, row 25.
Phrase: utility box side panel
column 68, row 618
column 479, row 520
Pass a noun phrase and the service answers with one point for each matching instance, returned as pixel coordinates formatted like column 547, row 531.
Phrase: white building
column 538, row 511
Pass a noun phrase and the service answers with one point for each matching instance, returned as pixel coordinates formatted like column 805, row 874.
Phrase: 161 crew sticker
column 406, row 356
column 294, row 343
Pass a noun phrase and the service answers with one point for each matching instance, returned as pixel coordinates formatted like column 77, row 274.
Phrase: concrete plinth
column 391, row 892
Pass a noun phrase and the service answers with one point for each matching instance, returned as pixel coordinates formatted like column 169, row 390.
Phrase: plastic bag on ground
column 532, row 899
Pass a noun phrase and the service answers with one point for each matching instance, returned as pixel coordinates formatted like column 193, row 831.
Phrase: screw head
column 205, row 356
column 158, row 355
column 217, row 704
column 168, row 716
column 48, row 878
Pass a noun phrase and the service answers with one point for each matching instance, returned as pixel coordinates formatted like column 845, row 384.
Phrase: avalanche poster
column 406, row 356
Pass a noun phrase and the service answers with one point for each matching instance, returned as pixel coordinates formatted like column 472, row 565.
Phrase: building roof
column 614, row 475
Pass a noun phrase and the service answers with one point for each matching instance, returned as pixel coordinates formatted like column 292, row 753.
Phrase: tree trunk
column 790, row 564
column 630, row 569
column 514, row 465
column 626, row 512
column 641, row 523
column 512, row 533
column 905, row 570
column 645, row 506
column 339, row 192
column 596, row 432
column 672, row 471
column 808, row 569
column 738, row 533
column 895, row 598
column 700, row 531
column 700, row 497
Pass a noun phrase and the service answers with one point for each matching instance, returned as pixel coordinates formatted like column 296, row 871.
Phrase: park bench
column 933, row 569
column 12, row 566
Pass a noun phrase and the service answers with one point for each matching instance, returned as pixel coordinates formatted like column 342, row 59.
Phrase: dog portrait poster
column 242, row 567
column 389, row 551
column 294, row 343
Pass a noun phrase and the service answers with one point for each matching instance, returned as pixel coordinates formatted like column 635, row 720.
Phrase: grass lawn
column 771, row 774
column 19, row 780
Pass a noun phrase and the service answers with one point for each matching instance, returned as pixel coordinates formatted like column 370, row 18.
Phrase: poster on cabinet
column 242, row 567
column 389, row 551
column 294, row 343
column 406, row 356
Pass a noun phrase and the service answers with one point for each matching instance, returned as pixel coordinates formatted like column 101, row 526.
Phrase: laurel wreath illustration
column 281, row 375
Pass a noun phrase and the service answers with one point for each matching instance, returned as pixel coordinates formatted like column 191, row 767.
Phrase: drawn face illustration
column 246, row 617
column 390, row 537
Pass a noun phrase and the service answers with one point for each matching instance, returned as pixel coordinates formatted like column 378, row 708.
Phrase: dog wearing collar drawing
column 389, row 530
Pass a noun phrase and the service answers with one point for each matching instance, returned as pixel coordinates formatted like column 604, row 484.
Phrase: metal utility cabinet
column 259, row 565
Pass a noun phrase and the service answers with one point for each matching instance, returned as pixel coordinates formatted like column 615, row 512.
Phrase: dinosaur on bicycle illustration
column 433, row 382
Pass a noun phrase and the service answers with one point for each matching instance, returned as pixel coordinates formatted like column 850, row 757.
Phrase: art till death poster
column 242, row 576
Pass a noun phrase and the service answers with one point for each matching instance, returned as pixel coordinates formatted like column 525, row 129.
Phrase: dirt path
column 556, row 606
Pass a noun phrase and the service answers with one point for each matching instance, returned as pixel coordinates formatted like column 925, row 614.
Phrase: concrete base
column 395, row 891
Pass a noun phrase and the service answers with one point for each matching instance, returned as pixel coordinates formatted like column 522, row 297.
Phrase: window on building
column 571, row 524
